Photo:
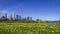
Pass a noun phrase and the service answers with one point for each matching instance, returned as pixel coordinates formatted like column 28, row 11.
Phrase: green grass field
column 29, row 28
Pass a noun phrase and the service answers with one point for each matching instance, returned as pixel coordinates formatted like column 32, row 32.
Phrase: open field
column 29, row 28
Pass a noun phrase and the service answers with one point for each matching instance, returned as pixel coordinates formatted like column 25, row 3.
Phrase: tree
column 46, row 21
column 58, row 21
column 39, row 21
column 24, row 20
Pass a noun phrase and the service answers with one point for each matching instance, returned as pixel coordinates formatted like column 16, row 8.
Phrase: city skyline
column 14, row 16
column 43, row 9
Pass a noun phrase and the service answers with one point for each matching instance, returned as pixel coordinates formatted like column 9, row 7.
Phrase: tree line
column 24, row 20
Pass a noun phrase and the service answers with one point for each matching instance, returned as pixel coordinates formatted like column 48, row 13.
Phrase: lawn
column 29, row 28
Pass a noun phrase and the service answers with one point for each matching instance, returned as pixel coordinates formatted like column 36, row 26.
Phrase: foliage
column 29, row 28
column 25, row 20
column 58, row 21
column 38, row 21
column 46, row 21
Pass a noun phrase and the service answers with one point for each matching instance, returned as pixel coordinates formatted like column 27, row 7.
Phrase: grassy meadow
column 29, row 28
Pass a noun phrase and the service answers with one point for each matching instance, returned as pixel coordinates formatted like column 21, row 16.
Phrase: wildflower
column 51, row 27
column 52, row 31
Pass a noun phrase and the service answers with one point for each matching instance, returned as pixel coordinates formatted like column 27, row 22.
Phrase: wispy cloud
column 3, row 11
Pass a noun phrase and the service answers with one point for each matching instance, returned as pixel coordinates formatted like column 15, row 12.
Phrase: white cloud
column 4, row 12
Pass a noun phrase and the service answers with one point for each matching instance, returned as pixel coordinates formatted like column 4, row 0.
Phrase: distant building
column 0, row 16
column 3, row 17
column 10, row 17
column 13, row 15
column 18, row 17
column 6, row 15
column 29, row 18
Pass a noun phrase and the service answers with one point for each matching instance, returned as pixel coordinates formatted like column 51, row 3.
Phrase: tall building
column 10, row 18
column 5, row 15
column 18, row 17
column 13, row 15
column 29, row 18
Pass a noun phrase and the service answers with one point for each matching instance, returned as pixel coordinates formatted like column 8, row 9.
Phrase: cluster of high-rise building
column 13, row 16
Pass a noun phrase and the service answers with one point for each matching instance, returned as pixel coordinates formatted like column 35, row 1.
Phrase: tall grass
column 29, row 28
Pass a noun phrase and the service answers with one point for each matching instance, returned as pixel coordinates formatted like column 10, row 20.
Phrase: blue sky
column 43, row 9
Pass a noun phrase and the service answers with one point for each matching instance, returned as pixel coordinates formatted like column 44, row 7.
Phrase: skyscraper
column 6, row 15
column 29, row 18
column 18, row 17
column 13, row 15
